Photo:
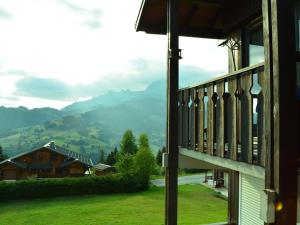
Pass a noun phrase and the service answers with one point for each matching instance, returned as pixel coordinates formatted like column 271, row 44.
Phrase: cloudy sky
column 54, row 52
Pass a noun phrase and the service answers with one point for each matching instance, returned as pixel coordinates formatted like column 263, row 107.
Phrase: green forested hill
column 101, row 127
column 11, row 118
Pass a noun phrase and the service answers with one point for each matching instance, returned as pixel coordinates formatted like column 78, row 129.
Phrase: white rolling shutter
column 250, row 190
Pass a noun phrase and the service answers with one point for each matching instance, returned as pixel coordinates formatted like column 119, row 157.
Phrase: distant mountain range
column 88, row 125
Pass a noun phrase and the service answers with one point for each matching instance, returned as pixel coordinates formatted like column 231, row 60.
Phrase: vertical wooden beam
column 267, row 124
column 233, row 201
column 263, row 119
column 282, row 174
column 172, row 116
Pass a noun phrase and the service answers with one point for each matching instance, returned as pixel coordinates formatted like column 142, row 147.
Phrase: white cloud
column 54, row 39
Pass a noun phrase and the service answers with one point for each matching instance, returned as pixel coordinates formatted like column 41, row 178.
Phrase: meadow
column 197, row 205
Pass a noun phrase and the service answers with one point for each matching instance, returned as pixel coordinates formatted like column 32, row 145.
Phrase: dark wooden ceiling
column 197, row 18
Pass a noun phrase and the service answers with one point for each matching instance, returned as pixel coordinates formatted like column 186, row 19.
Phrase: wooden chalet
column 48, row 161
column 103, row 169
column 245, row 122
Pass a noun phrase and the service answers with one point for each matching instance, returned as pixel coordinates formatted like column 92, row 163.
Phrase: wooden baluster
column 180, row 99
column 192, row 119
column 201, row 119
column 232, row 119
column 195, row 122
column 263, row 120
column 220, row 119
column 246, row 119
column 210, row 121
column 185, row 119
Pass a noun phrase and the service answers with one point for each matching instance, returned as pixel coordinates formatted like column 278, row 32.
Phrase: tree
column 144, row 141
column 145, row 164
column 112, row 157
column 159, row 156
column 128, row 143
column 2, row 155
column 126, row 165
column 102, row 156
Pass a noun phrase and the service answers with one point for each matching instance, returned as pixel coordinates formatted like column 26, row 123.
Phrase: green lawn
column 197, row 205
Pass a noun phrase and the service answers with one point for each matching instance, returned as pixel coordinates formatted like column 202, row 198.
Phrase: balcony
column 227, row 117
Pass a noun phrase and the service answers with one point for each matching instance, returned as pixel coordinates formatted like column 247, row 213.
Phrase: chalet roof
column 197, row 18
column 70, row 154
column 52, row 147
column 102, row 167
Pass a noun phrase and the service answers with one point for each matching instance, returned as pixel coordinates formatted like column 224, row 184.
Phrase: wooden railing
column 225, row 117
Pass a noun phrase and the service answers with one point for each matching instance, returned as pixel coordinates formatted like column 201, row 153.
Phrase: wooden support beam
column 280, row 50
column 172, row 114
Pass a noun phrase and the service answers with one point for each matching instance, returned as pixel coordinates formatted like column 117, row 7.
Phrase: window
column 253, row 44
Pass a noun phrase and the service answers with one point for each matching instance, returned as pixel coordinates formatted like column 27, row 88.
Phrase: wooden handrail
column 217, row 117
column 226, row 76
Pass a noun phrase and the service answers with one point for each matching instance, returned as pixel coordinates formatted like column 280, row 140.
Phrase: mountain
column 11, row 118
column 112, row 98
column 87, row 126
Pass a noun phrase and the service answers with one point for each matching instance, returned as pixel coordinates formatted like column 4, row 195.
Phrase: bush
column 69, row 186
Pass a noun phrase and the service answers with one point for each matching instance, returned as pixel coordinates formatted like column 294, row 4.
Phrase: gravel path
column 193, row 179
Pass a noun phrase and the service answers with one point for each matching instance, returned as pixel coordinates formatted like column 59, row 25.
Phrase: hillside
column 101, row 127
column 11, row 118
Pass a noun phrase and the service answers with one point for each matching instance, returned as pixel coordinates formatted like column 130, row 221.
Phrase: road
column 193, row 179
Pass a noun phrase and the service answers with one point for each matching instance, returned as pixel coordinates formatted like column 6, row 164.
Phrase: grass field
column 197, row 205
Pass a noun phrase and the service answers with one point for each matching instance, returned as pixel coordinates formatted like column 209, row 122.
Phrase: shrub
column 68, row 186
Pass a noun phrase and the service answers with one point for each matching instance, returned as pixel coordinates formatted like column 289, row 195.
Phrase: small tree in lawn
column 126, row 165
column 128, row 144
column 144, row 160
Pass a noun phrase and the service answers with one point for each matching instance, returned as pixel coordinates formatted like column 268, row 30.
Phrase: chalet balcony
column 226, row 117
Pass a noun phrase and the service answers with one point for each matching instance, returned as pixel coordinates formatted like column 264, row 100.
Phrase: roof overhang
column 198, row 18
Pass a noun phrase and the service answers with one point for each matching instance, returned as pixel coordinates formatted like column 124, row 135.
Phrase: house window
column 254, row 44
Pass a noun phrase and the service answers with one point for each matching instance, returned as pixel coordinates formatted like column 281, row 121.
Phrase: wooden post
column 281, row 162
column 172, row 114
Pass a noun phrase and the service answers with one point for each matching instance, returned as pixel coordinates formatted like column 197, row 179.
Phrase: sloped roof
column 70, row 154
column 52, row 147
column 102, row 167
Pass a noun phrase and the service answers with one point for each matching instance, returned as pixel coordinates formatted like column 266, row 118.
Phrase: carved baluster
column 210, row 119
column 180, row 107
column 232, row 118
column 201, row 111
column 185, row 119
column 191, row 119
column 220, row 119
column 246, row 119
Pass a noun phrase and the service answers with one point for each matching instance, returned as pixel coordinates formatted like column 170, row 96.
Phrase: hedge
column 69, row 186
